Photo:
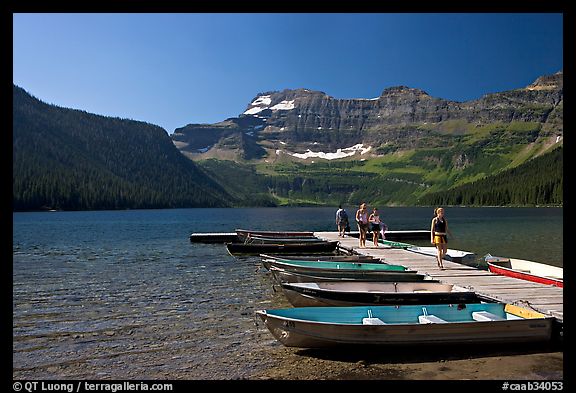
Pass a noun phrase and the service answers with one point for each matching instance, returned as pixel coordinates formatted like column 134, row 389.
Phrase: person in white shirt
column 341, row 221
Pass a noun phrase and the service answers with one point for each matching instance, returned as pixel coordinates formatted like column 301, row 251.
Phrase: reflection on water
column 126, row 295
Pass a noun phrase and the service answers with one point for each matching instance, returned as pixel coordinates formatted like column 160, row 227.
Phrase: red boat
column 526, row 270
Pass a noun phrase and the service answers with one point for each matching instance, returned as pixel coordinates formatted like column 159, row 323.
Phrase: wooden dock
column 546, row 299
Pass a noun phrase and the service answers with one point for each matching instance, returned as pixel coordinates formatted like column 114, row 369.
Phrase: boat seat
column 430, row 319
column 486, row 316
column 373, row 321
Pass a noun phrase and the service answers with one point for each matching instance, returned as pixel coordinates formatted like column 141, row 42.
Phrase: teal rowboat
column 477, row 323
column 339, row 268
column 293, row 264
column 393, row 244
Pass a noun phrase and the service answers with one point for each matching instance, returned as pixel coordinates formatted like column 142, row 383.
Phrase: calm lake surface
column 125, row 295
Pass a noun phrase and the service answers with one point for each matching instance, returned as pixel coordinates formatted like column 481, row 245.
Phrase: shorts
column 363, row 227
column 440, row 239
column 375, row 227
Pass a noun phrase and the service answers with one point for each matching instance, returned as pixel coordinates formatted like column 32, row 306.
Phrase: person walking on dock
column 438, row 235
column 362, row 220
column 342, row 221
column 375, row 223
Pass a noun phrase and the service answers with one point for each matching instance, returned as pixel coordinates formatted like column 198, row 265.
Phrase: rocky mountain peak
column 548, row 82
column 266, row 104
column 298, row 120
column 403, row 91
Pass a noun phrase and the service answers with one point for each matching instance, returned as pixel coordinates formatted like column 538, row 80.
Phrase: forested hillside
column 536, row 182
column 70, row 159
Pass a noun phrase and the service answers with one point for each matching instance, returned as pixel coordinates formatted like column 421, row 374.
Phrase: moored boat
column 335, row 268
column 357, row 264
column 244, row 233
column 526, row 270
column 319, row 257
column 282, row 275
column 451, row 255
column 316, row 294
column 393, row 244
column 255, row 239
column 465, row 323
column 284, row 248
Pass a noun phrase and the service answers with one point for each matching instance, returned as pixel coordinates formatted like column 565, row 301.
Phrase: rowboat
column 465, row 323
column 243, row 233
column 323, row 263
column 451, row 255
column 526, row 270
column 343, row 258
column 282, row 275
column 336, row 268
column 284, row 248
column 315, row 294
column 394, row 244
column 255, row 239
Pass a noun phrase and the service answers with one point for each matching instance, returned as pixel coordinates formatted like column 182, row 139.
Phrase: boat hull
column 452, row 255
column 280, row 262
column 308, row 296
column 281, row 275
column 287, row 248
column 335, row 267
column 343, row 258
column 307, row 333
column 394, row 244
column 341, row 269
column 524, row 276
column 526, row 270
column 283, row 240
column 244, row 233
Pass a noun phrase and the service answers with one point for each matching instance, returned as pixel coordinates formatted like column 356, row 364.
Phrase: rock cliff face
column 305, row 121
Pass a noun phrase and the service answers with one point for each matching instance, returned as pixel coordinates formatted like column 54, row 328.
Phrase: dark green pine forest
column 536, row 182
column 73, row 160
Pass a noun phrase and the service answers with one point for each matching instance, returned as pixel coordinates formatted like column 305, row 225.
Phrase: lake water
column 125, row 295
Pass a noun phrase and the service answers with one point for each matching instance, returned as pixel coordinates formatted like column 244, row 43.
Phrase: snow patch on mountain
column 253, row 111
column 340, row 153
column 263, row 102
column 284, row 106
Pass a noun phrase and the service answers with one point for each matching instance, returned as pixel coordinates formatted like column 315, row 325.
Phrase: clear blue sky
column 175, row 69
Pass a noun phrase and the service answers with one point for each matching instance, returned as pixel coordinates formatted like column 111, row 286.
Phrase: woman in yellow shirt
column 438, row 235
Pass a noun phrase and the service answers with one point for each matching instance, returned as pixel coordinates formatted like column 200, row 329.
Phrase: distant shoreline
column 282, row 206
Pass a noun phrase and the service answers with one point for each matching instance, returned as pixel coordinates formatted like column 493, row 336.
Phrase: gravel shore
column 427, row 364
